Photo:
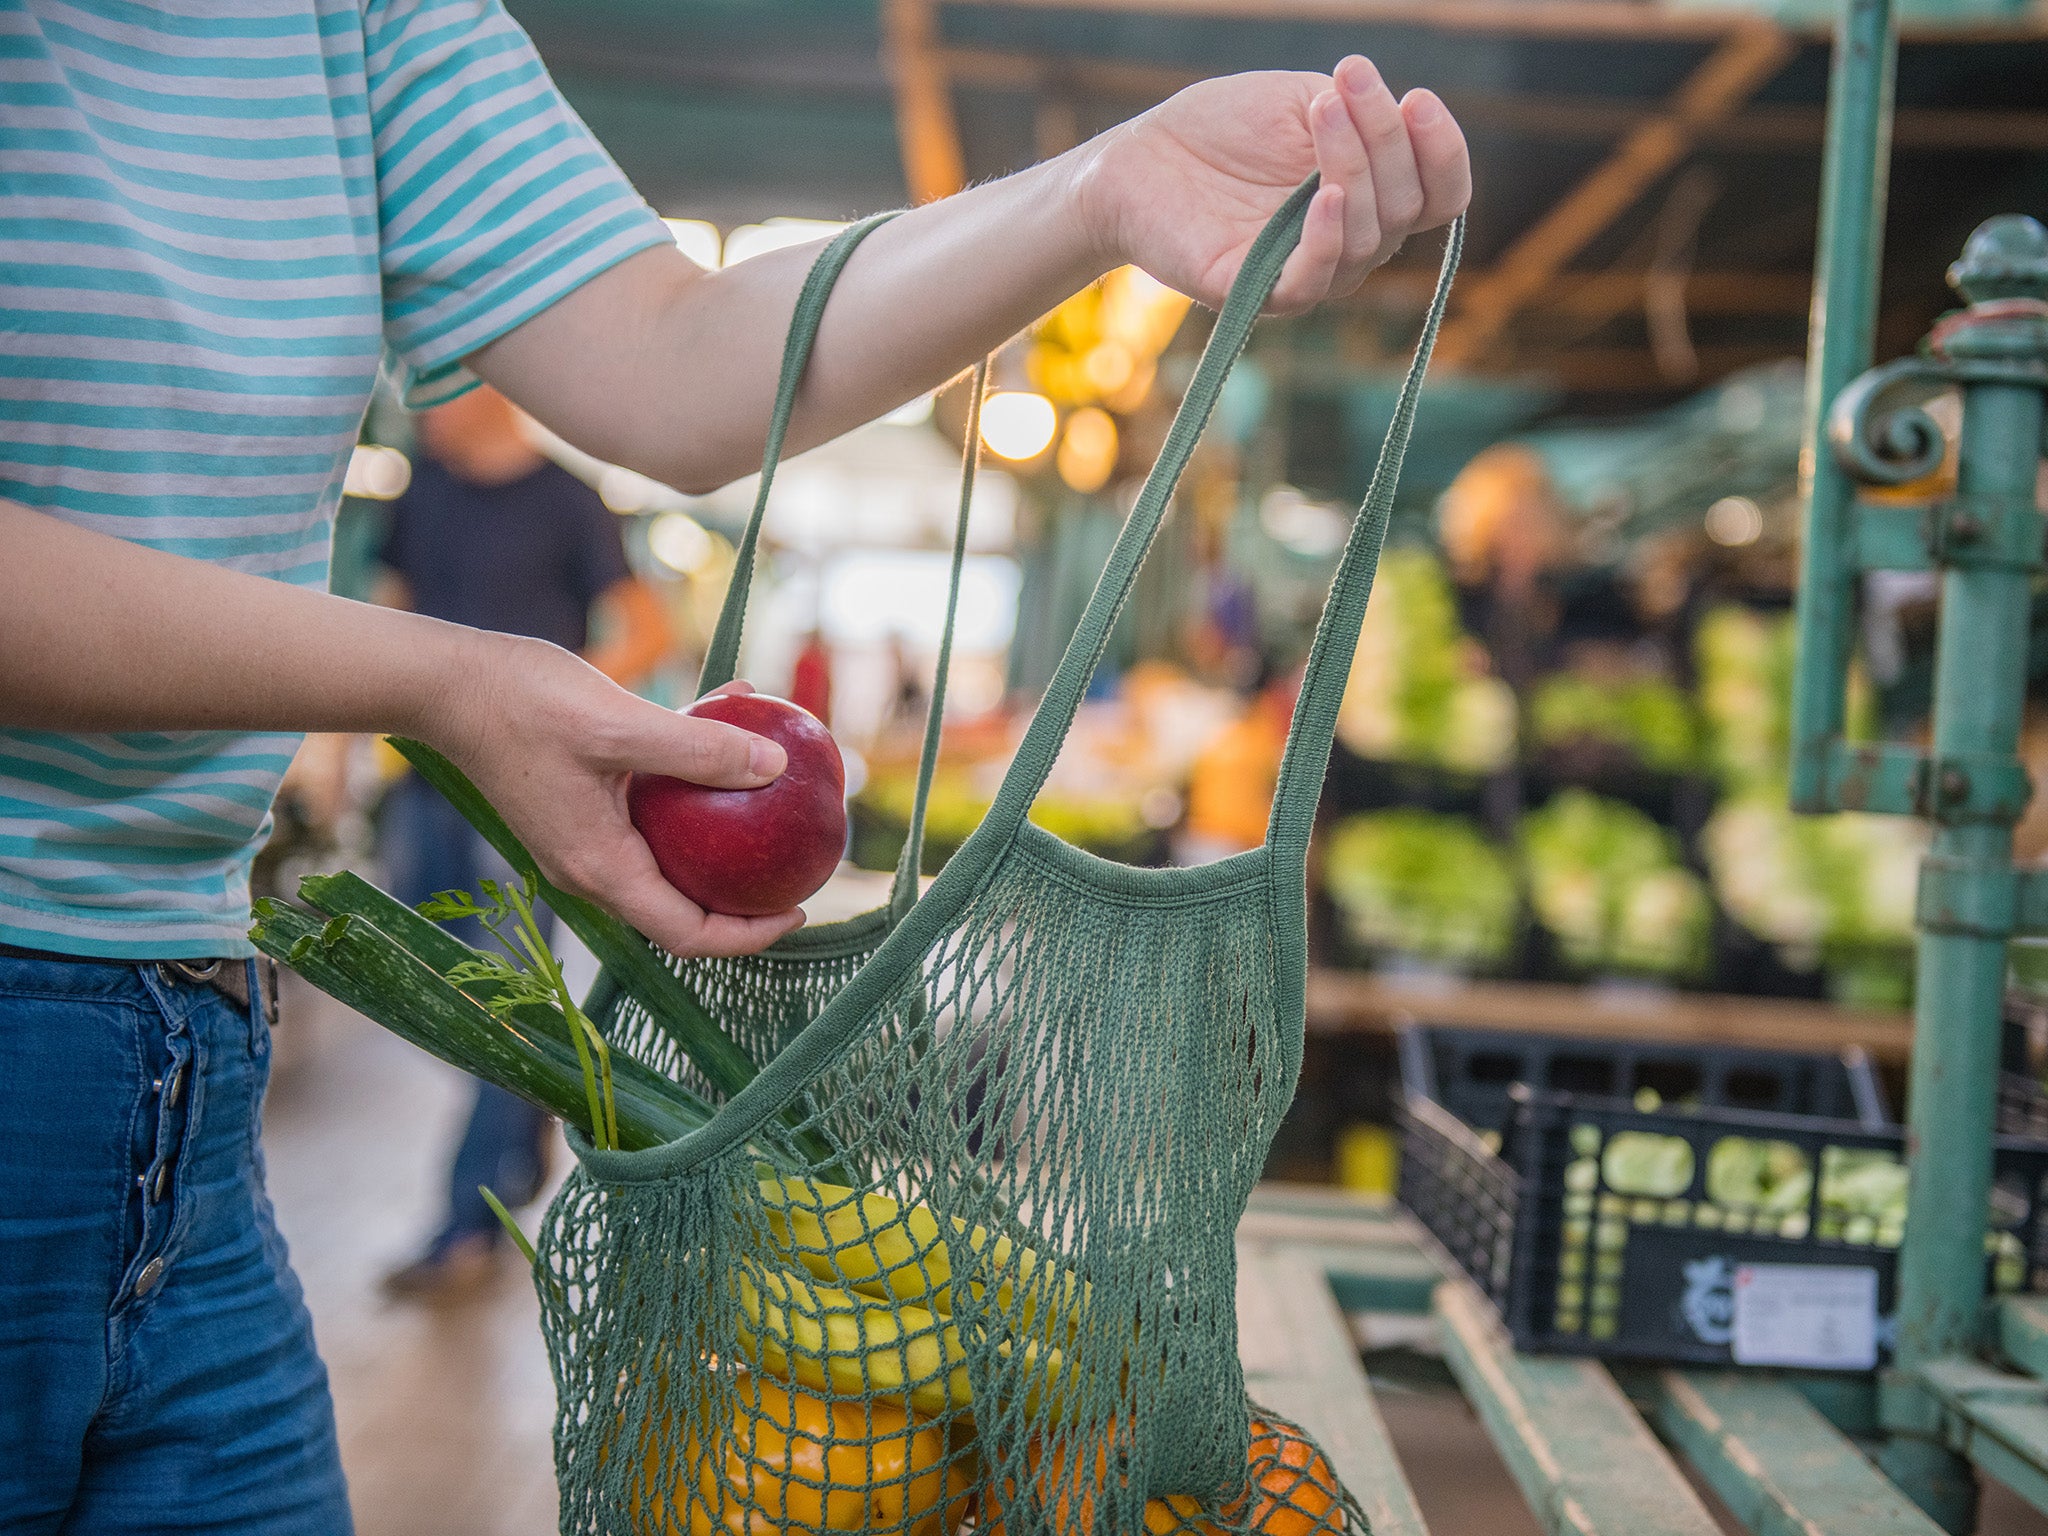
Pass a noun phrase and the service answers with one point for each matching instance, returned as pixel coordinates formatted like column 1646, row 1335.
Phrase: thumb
column 707, row 752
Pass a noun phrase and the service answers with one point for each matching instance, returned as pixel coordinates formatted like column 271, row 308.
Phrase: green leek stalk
column 626, row 957
column 531, row 1054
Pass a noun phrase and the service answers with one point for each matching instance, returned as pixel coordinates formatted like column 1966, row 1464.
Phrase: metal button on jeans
column 163, row 1179
column 176, row 1089
column 152, row 1272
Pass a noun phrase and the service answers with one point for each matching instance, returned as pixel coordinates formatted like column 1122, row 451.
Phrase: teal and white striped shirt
column 216, row 216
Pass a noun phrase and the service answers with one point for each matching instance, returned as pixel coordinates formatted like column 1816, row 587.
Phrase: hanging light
column 1018, row 425
column 376, row 473
column 679, row 542
column 1087, row 456
column 1734, row 521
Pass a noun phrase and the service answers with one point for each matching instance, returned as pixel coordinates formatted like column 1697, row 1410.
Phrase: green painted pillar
column 1989, row 543
column 1842, row 331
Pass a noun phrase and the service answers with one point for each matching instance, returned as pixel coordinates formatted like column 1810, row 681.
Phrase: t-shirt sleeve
column 494, row 200
column 600, row 544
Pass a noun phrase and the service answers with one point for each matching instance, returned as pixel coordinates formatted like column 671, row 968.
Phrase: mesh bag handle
column 1310, row 732
column 924, row 925
column 721, row 659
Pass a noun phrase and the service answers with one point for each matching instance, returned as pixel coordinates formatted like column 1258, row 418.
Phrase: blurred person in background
column 1522, row 591
column 494, row 534
column 219, row 222
column 810, row 677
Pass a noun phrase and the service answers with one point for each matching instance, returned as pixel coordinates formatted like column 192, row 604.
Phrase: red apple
column 750, row 852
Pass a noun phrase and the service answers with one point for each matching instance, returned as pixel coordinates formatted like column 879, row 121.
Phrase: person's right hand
column 551, row 742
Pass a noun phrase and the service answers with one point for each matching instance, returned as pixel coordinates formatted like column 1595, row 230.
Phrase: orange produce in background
column 791, row 1461
column 1293, row 1491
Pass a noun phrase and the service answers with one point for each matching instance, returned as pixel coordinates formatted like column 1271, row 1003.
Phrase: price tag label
column 1817, row 1316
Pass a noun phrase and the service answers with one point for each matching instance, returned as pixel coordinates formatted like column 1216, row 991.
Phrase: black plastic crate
column 1603, row 1222
column 2023, row 1064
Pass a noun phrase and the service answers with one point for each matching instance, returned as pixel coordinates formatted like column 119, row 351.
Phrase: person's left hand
column 1183, row 190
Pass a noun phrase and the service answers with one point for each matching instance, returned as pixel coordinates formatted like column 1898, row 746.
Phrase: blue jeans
column 429, row 848
column 157, row 1370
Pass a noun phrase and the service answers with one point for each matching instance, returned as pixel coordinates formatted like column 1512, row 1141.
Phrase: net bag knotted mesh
column 962, row 1250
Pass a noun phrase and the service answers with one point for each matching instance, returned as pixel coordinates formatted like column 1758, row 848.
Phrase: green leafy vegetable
column 1424, row 885
column 538, row 980
column 1606, row 881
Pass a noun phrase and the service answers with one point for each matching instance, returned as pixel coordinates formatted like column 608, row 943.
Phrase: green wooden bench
column 1595, row 1452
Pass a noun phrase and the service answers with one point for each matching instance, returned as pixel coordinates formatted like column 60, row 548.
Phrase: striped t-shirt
column 216, row 216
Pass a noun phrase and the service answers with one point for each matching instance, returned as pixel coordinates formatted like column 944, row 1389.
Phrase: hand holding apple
column 750, row 852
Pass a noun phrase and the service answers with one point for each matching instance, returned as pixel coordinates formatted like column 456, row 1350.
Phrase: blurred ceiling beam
column 934, row 165
column 1758, row 127
column 1569, row 18
column 1576, row 370
column 1731, row 74
column 1600, row 295
column 1595, row 370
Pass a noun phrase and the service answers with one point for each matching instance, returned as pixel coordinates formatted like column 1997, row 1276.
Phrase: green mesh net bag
column 960, row 1249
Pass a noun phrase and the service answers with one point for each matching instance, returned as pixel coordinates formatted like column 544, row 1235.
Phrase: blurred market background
column 1558, row 792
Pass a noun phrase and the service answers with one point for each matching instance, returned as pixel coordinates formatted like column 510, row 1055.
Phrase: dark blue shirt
column 527, row 557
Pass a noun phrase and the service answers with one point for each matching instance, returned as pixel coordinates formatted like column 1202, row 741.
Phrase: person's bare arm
column 668, row 369
column 639, row 639
column 100, row 635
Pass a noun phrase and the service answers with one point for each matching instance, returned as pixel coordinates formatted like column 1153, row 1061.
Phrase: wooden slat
column 2023, row 1332
column 1998, row 1421
column 1300, row 1361
column 1344, row 1001
column 1379, row 1277
column 1775, row 1461
column 1585, row 1460
column 1321, row 1200
column 1735, row 71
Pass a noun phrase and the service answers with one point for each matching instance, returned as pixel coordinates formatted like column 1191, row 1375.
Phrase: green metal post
column 1847, row 261
column 1967, row 906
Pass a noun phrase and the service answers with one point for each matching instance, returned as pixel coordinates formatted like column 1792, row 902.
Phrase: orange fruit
column 1293, row 1492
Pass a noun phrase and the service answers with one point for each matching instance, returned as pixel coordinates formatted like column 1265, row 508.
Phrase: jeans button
column 163, row 1181
column 152, row 1272
column 176, row 1088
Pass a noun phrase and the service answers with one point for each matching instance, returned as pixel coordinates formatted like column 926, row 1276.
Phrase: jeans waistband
column 230, row 978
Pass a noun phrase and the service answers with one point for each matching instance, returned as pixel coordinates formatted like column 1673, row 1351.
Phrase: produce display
column 1423, row 884
column 1415, row 693
column 1643, row 718
column 1815, row 884
column 1112, row 827
column 1744, row 662
column 750, row 852
column 1608, row 884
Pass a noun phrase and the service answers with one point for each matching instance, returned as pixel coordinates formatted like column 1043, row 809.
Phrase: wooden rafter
column 1731, row 74
column 1526, row 18
column 1564, row 118
column 926, row 129
column 1589, row 296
